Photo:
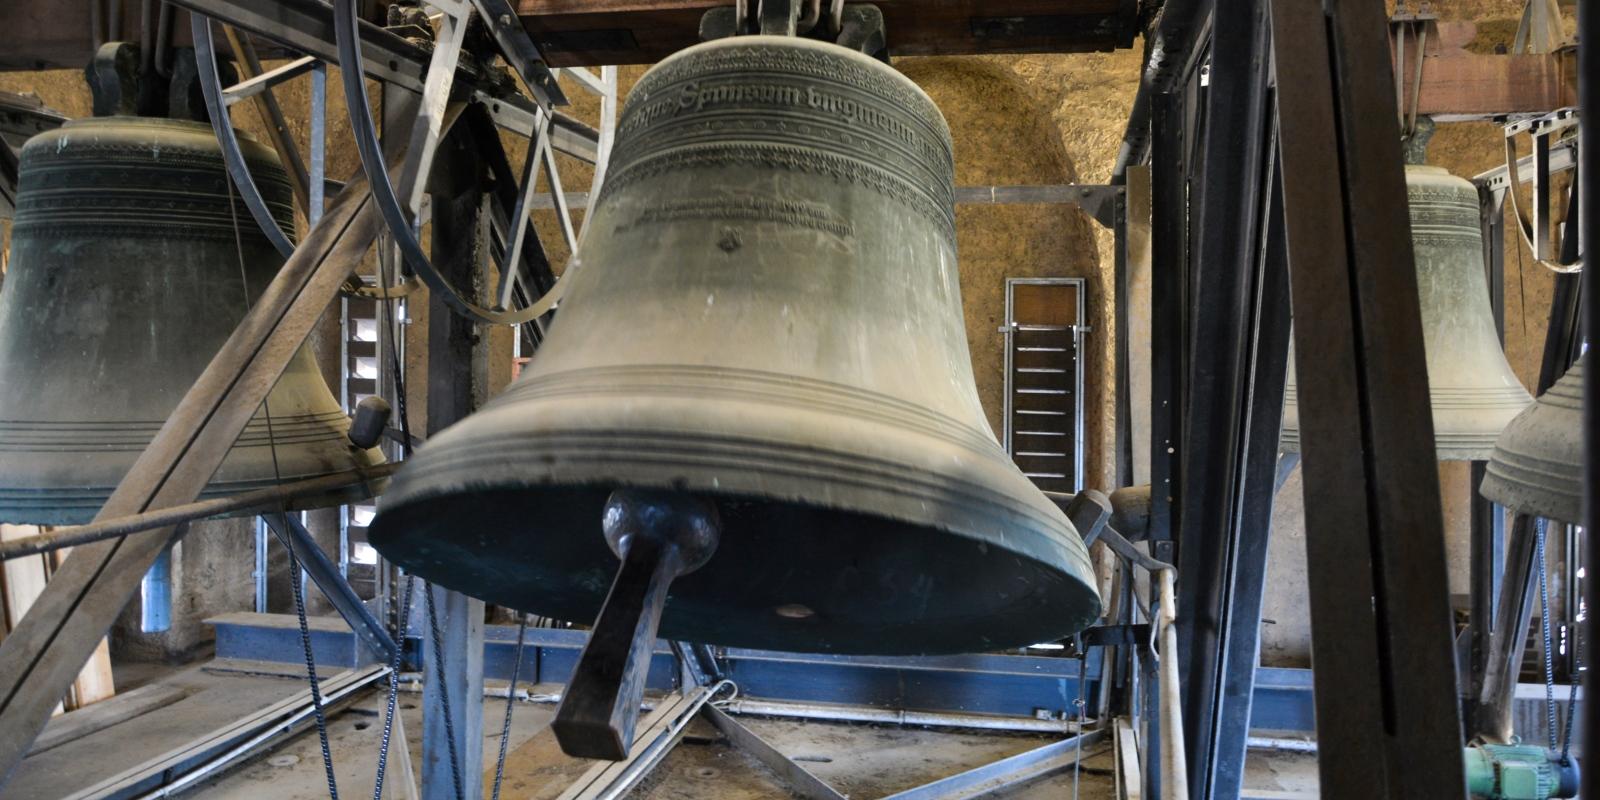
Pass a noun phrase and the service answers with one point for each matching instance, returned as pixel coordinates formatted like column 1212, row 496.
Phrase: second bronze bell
column 1472, row 389
column 129, row 269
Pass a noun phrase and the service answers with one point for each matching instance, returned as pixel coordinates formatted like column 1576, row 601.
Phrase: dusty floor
column 861, row 761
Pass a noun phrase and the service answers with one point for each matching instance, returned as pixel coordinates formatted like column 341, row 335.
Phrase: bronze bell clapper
column 754, row 422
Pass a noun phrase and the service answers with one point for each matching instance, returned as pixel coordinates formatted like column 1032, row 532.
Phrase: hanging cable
column 294, row 561
column 1544, row 635
column 437, row 657
column 511, row 702
column 394, row 687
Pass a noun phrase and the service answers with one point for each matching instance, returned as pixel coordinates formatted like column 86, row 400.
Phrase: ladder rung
column 1045, row 370
column 1037, row 433
column 1041, row 349
column 1044, row 475
column 1042, row 391
column 1039, row 413
column 1040, row 455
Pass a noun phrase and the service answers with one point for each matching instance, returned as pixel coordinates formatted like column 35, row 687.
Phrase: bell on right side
column 1473, row 391
column 1537, row 466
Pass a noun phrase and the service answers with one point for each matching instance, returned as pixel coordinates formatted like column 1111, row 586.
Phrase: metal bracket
column 294, row 536
column 857, row 26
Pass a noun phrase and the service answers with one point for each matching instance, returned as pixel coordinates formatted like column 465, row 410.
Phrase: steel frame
column 1237, row 363
column 1381, row 622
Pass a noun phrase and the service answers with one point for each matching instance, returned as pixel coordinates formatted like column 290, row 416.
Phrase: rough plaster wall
column 1004, row 136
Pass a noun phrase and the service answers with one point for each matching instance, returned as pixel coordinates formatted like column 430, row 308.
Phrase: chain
column 444, row 689
column 394, row 687
column 511, row 702
column 294, row 561
column 311, row 667
column 1544, row 633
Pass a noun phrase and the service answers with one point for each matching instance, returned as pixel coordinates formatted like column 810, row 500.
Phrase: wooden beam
column 94, row 683
column 48, row 34
column 587, row 32
column 1459, row 82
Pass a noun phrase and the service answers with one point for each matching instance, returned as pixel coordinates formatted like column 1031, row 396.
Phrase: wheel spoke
column 266, row 80
column 517, row 224
column 211, row 87
column 249, row 66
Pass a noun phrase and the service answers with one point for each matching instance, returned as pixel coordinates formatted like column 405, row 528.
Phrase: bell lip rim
column 1079, row 581
column 1076, row 557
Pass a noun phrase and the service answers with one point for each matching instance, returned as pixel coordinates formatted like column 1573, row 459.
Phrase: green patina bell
column 766, row 315
column 1473, row 391
column 1537, row 466
column 129, row 269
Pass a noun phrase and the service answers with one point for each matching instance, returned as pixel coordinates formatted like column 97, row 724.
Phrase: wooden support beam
column 1459, row 82
column 23, row 580
column 582, row 32
column 47, row 34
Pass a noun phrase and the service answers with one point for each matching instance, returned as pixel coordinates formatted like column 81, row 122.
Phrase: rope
column 1077, row 763
column 1572, row 691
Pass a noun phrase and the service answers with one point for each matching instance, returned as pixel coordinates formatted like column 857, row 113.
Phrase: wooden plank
column 1462, row 85
column 126, row 706
column 25, row 580
column 94, row 683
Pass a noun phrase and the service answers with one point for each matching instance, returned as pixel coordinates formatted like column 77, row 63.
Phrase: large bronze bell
column 128, row 272
column 766, row 316
column 1537, row 467
column 1473, row 390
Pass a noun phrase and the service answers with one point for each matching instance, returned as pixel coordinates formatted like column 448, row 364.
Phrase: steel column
column 452, row 721
column 1169, row 255
column 328, row 577
column 1235, row 403
column 1380, row 615
column 1589, row 233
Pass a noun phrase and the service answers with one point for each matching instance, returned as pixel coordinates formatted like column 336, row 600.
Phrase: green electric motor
column 1519, row 772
